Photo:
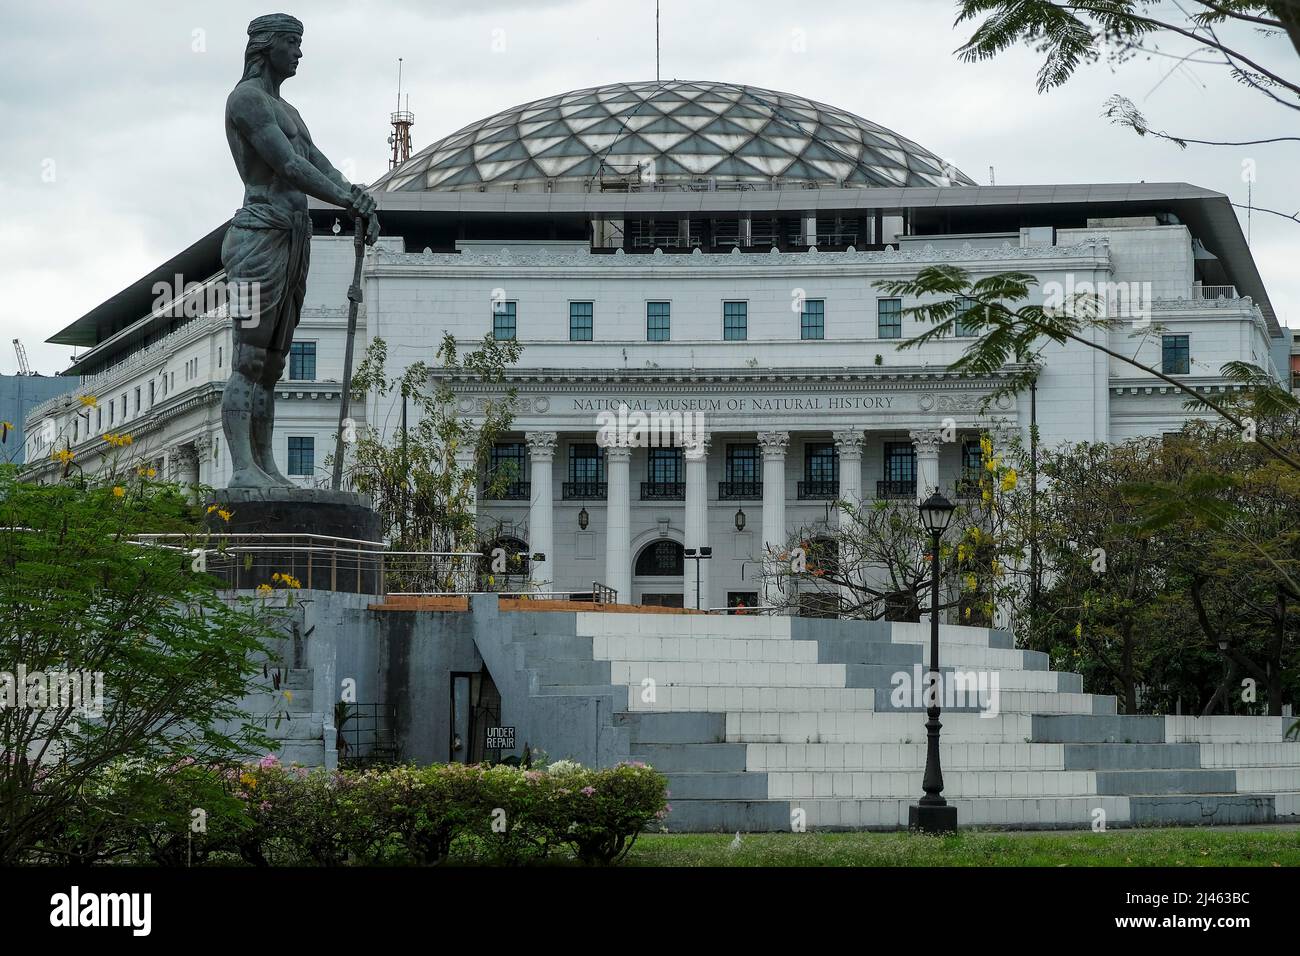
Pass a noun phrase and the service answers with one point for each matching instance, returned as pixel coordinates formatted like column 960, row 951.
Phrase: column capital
column 926, row 439
column 849, row 442
column 696, row 447
column 774, row 445
column 541, row 445
column 620, row 454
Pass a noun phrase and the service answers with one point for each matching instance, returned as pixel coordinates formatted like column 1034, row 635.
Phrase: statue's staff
column 354, row 301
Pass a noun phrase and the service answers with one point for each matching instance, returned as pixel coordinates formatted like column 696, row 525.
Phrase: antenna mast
column 402, row 120
column 656, row 41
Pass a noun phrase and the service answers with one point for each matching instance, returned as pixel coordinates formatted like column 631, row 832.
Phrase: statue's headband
column 275, row 23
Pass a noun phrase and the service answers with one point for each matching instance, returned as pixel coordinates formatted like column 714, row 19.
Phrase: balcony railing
column 740, row 490
column 511, row 491
column 1217, row 291
column 819, row 490
column 579, row 490
column 896, row 489
column 663, row 490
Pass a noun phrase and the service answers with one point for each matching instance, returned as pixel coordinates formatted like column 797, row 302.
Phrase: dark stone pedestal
column 328, row 540
column 927, row 819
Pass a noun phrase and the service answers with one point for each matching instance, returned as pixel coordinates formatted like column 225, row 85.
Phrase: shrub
column 601, row 812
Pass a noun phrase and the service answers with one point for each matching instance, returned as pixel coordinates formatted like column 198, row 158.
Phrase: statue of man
column 267, row 246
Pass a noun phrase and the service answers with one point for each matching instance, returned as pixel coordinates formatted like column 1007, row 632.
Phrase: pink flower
column 588, row 791
column 269, row 762
column 264, row 806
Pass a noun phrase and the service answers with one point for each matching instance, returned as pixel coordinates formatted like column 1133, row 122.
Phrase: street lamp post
column 932, row 814
column 704, row 554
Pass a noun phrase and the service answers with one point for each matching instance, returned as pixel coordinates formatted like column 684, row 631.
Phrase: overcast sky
column 114, row 156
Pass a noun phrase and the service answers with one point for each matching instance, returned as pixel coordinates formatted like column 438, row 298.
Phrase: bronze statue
column 268, row 244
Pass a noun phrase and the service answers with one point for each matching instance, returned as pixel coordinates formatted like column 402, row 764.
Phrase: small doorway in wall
column 741, row 601
column 475, row 706
column 659, row 567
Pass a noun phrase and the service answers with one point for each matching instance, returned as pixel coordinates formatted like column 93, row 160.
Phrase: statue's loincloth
column 266, row 250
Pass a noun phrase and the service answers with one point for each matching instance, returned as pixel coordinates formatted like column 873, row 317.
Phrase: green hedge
column 266, row 814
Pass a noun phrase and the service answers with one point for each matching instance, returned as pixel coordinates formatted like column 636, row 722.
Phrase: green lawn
column 1175, row 847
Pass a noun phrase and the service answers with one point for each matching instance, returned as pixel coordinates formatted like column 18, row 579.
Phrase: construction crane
column 24, row 368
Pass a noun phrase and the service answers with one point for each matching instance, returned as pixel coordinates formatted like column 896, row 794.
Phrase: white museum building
column 704, row 249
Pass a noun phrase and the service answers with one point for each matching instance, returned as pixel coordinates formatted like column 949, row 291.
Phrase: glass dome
column 670, row 135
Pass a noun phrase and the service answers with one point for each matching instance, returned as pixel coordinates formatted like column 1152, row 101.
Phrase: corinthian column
column 697, row 521
column 618, row 522
column 541, row 506
column 926, row 441
column 774, row 445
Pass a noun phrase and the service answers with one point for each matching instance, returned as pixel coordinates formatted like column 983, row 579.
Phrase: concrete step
column 887, row 677
column 646, row 648
column 749, row 627
column 864, row 727
column 694, row 758
column 857, row 784
column 753, row 699
column 1131, row 782
column 904, row 757
column 1006, row 701
column 1267, row 779
column 1105, row 729
column 683, row 727
column 1250, row 755
column 843, row 650
column 1202, row 809
column 727, row 673
column 572, row 672
column 1131, row 756
column 717, row 786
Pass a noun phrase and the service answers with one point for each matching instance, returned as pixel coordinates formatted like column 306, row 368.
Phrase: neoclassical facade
column 707, row 256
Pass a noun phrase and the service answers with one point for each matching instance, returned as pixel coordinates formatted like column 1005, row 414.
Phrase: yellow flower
column 63, row 456
column 1009, row 479
column 89, row 401
column 993, row 464
column 1078, row 629
column 212, row 508
column 986, row 495
column 997, row 569
column 961, row 553
column 971, row 582
column 119, row 491
column 248, row 780
column 264, row 589
column 223, row 515
column 151, row 473
column 986, row 446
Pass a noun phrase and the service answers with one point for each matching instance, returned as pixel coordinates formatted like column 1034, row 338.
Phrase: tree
column 1215, row 33
column 421, row 487
column 110, row 649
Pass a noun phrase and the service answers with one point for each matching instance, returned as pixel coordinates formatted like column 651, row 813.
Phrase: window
column 735, row 321
column 302, row 455
column 580, row 321
column 219, row 356
column 151, row 392
column 900, row 461
column 111, row 413
column 821, row 462
column 302, row 361
column 1175, row 354
column 503, row 321
column 586, row 464
column 741, row 600
column 664, row 466
column 658, row 321
column 661, row 559
column 964, row 304
column 137, row 400
column 124, row 408
column 812, row 321
column 972, row 460
column 508, row 459
column 889, row 318
column 742, row 463
column 99, row 419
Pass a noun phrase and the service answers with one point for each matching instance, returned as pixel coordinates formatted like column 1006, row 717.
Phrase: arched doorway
column 657, row 574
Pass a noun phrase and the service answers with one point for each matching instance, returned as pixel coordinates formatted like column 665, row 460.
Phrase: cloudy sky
column 114, row 156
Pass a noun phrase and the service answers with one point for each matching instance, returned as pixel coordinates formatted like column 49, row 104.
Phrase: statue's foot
column 273, row 475
column 252, row 477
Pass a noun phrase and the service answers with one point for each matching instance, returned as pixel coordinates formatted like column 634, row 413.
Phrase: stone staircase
column 756, row 718
column 286, row 715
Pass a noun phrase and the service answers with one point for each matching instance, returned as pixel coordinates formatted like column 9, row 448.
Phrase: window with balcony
column 735, row 321
column 302, row 362
column 580, row 321
column 900, row 471
column 812, row 320
column 506, row 471
column 964, row 305
column 972, row 467
column 665, row 471
column 1175, row 354
column 821, row 471
column 889, row 318
column 302, row 455
column 743, row 474
column 586, row 472
column 503, row 321
column 658, row 321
